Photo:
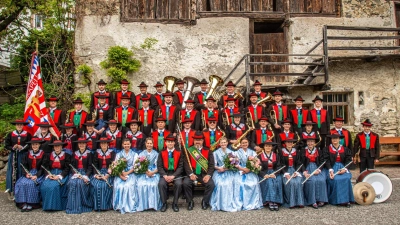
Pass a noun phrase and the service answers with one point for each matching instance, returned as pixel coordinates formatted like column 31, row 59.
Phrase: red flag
column 35, row 108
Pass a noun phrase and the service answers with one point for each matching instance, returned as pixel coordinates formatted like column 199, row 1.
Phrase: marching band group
column 209, row 140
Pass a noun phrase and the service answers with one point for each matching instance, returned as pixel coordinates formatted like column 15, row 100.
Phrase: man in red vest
column 179, row 94
column 57, row 115
column 212, row 134
column 256, row 111
column 125, row 112
column 187, row 132
column 79, row 116
column 229, row 110
column 367, row 145
column 170, row 167
column 193, row 114
column 146, row 116
column 320, row 117
column 159, row 93
column 260, row 94
column 210, row 110
column 169, row 112
column 277, row 112
column 261, row 134
column 200, row 97
column 199, row 165
column 124, row 91
column 346, row 141
column 143, row 91
column 159, row 134
column 102, row 90
column 230, row 93
column 299, row 114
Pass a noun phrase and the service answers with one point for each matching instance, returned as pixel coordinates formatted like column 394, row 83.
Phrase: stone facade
column 215, row 45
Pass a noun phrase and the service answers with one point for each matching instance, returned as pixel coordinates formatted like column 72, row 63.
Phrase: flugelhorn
column 266, row 99
column 215, row 81
column 191, row 84
column 169, row 82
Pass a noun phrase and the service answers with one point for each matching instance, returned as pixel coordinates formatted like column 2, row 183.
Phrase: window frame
column 348, row 103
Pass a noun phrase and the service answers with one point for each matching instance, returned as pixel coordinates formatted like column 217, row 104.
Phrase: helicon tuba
column 169, row 82
column 191, row 84
column 215, row 81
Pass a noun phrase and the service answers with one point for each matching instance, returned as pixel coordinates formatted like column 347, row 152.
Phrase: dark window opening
column 264, row 27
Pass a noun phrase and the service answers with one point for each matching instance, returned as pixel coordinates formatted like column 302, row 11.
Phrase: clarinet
column 50, row 174
column 77, row 172
column 98, row 171
column 29, row 174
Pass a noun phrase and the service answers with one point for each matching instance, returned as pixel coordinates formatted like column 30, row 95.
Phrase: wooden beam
column 286, row 74
column 254, row 15
column 364, row 48
column 363, row 38
column 362, row 28
column 164, row 21
column 285, row 63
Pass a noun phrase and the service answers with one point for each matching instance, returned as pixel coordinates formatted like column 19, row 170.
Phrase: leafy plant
column 118, row 64
column 149, row 43
column 86, row 72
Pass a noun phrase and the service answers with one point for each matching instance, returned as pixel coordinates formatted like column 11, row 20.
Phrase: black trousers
column 163, row 189
column 188, row 188
column 366, row 162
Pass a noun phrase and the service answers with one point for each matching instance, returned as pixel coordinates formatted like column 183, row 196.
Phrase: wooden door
column 397, row 8
column 268, row 39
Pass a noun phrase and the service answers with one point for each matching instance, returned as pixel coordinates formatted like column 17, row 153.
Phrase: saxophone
column 251, row 127
column 214, row 146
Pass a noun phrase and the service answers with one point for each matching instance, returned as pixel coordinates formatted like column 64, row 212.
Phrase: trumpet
column 266, row 99
column 273, row 134
column 249, row 119
column 215, row 145
column 238, row 95
column 225, row 119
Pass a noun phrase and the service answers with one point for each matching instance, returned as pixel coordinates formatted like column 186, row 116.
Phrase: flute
column 29, row 174
column 77, row 172
column 348, row 164
column 273, row 173
column 50, row 174
column 294, row 174
column 98, row 171
column 312, row 174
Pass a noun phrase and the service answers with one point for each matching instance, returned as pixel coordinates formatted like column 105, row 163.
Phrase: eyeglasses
column 212, row 122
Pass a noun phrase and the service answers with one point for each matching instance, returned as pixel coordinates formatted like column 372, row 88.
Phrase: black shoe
column 276, row 207
column 204, row 205
column 271, row 207
column 321, row 204
column 183, row 196
column 190, row 205
column 315, row 206
column 348, row 205
column 175, row 207
column 164, row 207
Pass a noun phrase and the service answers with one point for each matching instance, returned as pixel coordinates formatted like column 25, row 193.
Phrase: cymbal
column 364, row 193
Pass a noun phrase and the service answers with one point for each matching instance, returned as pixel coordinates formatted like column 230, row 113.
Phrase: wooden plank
column 364, row 48
column 297, row 6
column 329, row 6
column 362, row 28
column 201, row 5
column 267, row 6
column 141, row 9
column 150, row 9
column 173, row 9
column 391, row 153
column 232, row 5
column 389, row 140
column 245, row 5
column 130, row 9
column 363, row 38
column 387, row 163
column 317, row 6
column 184, row 9
column 280, row 5
column 255, row 15
column 285, row 63
column 162, row 9
column 224, row 5
column 281, row 74
column 256, row 5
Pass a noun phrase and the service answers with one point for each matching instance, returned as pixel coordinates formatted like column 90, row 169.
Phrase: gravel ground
column 384, row 213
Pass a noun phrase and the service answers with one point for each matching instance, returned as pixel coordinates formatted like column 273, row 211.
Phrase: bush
column 86, row 72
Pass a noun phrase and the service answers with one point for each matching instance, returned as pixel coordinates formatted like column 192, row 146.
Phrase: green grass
column 2, row 185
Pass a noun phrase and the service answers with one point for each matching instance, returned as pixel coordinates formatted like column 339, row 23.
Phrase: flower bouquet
column 253, row 164
column 141, row 165
column 230, row 162
column 117, row 167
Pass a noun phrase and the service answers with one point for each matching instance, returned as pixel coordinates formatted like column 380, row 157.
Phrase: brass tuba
column 266, row 99
column 169, row 82
column 191, row 84
column 215, row 81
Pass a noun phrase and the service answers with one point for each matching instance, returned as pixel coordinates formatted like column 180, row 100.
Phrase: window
column 337, row 104
column 37, row 22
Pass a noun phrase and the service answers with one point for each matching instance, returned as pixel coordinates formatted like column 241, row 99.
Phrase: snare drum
column 382, row 184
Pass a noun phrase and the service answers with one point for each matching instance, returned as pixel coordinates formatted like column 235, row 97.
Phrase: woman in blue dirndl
column 102, row 192
column 225, row 196
column 293, row 191
column 315, row 190
column 147, row 184
column 340, row 191
column 250, row 192
column 54, row 188
column 124, row 198
column 79, row 199
column 27, row 193
column 271, row 187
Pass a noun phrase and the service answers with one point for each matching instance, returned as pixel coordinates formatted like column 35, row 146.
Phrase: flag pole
column 37, row 47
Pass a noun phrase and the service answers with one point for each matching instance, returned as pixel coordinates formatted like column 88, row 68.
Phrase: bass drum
column 382, row 184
